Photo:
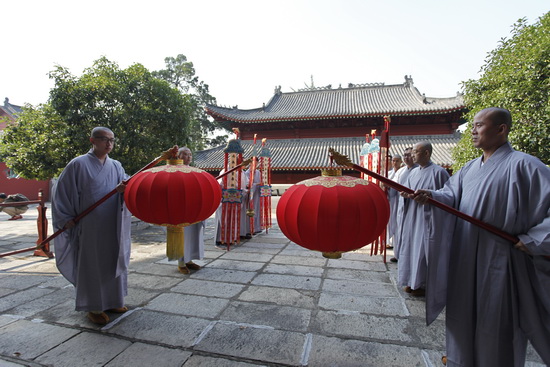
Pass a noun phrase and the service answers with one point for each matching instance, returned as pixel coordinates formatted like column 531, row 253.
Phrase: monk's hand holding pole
column 422, row 196
column 521, row 246
column 70, row 224
column 121, row 187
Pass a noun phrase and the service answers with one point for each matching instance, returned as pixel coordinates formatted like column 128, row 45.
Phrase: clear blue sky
column 243, row 49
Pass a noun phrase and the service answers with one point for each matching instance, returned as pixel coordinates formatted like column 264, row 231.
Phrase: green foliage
column 516, row 76
column 36, row 145
column 180, row 73
column 146, row 114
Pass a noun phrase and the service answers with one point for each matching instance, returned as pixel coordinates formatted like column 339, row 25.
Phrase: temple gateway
column 301, row 126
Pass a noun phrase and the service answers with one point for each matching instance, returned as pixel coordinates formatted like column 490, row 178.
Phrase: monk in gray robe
column 403, row 175
column 417, row 223
column 94, row 253
column 255, row 197
column 393, row 199
column 498, row 292
column 193, row 235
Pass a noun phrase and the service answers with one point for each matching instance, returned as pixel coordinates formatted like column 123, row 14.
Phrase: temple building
column 301, row 126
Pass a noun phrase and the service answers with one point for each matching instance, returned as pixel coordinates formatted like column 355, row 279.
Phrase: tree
column 146, row 114
column 516, row 76
column 36, row 144
column 180, row 73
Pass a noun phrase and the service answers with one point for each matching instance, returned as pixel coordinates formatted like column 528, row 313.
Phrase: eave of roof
column 312, row 154
column 356, row 102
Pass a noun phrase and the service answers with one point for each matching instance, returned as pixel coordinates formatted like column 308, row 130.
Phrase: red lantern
column 333, row 213
column 175, row 196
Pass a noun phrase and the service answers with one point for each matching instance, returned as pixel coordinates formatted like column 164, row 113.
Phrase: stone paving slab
column 276, row 316
column 299, row 251
column 153, row 282
column 16, row 299
column 299, row 260
column 254, row 344
column 32, row 307
column 224, row 263
column 29, row 339
column 147, row 355
column 207, row 288
column 85, row 349
column 356, row 303
column 140, row 297
column 224, row 275
column 203, row 361
column 158, row 327
column 357, row 265
column 64, row 314
column 403, row 331
column 288, row 281
column 306, row 271
column 258, row 249
column 254, row 244
column 4, row 320
column 280, row 296
column 18, row 280
column 362, row 275
column 360, row 288
column 236, row 254
column 188, row 305
column 335, row 352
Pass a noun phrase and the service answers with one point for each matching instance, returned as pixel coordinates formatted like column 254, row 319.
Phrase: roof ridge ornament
column 365, row 85
column 408, row 81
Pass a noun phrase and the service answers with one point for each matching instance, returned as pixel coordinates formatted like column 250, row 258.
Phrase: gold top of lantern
column 333, row 181
column 331, row 172
column 175, row 161
column 175, row 168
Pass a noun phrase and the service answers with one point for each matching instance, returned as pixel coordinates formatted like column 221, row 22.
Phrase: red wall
column 29, row 188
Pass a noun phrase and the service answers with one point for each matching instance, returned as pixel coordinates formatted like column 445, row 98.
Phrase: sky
column 244, row 49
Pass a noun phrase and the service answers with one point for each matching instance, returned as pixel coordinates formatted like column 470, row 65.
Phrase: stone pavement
column 267, row 302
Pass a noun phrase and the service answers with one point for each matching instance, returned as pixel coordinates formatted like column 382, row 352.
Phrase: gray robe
column 255, row 192
column 393, row 199
column 418, row 223
column 94, row 255
column 498, row 297
column 193, row 243
column 400, row 210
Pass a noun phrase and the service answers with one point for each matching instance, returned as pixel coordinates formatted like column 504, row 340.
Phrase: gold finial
column 340, row 159
column 331, row 172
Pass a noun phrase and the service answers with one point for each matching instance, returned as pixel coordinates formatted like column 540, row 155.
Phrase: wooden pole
column 164, row 156
column 344, row 161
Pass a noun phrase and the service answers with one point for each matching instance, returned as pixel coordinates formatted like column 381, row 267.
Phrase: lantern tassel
column 174, row 242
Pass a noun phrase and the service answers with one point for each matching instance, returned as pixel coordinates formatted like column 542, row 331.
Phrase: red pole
column 167, row 154
column 343, row 160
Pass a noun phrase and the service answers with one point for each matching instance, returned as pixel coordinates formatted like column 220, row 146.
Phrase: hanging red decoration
column 265, row 187
column 175, row 196
column 333, row 213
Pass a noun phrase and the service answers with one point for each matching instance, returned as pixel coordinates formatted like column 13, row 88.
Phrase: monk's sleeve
column 65, row 197
column 537, row 238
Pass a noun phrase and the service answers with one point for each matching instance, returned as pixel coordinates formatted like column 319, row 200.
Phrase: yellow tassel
column 174, row 242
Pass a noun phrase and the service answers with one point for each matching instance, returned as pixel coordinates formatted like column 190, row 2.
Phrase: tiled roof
column 355, row 101
column 11, row 109
column 308, row 154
